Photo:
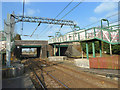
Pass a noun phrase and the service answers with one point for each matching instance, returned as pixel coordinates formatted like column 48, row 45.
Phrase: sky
column 85, row 14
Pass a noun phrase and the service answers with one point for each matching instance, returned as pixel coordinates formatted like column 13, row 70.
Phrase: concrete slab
column 83, row 63
column 15, row 70
column 18, row 82
column 57, row 58
column 113, row 74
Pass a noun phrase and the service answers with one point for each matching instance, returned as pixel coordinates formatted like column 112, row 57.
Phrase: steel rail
column 77, row 72
column 70, row 69
column 38, row 79
column 59, row 82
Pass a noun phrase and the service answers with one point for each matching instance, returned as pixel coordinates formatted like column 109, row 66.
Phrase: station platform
column 109, row 73
column 23, row 81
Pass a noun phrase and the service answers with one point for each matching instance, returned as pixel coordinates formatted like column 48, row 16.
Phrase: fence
column 111, row 62
column 105, row 34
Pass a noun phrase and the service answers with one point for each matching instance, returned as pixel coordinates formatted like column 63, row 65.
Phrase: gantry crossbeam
column 43, row 20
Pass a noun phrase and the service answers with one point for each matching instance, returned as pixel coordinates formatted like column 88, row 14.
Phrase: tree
column 116, row 49
column 106, row 47
column 17, row 37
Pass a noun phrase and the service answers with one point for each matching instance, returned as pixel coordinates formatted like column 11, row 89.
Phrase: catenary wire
column 23, row 16
column 69, row 12
column 55, row 18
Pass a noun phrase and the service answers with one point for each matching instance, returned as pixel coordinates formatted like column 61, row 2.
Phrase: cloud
column 27, row 2
column 115, row 23
column 20, row 13
column 32, row 11
column 105, row 6
column 29, row 12
column 93, row 19
column 112, row 13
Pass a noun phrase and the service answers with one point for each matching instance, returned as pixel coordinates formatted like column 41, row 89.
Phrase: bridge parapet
column 30, row 42
column 110, row 35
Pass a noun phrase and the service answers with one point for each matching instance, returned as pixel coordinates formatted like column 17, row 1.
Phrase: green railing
column 109, row 34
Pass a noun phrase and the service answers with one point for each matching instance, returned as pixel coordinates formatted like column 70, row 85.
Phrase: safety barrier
column 109, row 34
column 110, row 62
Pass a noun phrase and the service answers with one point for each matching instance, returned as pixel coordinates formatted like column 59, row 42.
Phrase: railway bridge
column 44, row 49
column 110, row 34
column 45, row 63
column 40, row 45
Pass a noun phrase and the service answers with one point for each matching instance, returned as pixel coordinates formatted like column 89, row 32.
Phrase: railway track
column 86, row 79
column 35, row 77
column 66, row 77
column 44, row 78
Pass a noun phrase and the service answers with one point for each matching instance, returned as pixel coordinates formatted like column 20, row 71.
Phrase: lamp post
column 109, row 33
column 102, row 22
column 57, row 34
column 50, row 36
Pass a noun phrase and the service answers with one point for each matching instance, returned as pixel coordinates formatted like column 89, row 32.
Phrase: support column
column 93, row 48
column 20, row 52
column 100, row 45
column 8, row 40
column 54, row 50
column 59, row 50
column 87, row 53
column 110, row 43
column 110, row 49
column 81, row 49
column 38, row 52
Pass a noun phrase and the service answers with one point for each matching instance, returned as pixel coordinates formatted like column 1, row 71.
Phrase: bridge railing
column 104, row 34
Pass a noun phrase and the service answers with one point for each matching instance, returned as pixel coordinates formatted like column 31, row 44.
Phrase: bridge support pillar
column 100, row 45
column 38, row 52
column 93, row 48
column 110, row 49
column 59, row 50
column 87, row 53
column 54, row 50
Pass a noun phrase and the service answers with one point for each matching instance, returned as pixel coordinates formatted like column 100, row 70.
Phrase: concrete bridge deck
column 31, row 42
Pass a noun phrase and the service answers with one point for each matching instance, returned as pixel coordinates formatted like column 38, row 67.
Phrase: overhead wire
column 77, row 6
column 35, row 30
column 114, row 21
column 100, row 20
column 54, row 18
column 23, row 16
column 70, row 11
column 64, row 9
column 58, row 15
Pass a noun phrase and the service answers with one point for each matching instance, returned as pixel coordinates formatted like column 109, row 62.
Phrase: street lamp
column 77, row 27
column 109, row 33
column 50, row 36
column 104, row 20
column 102, row 26
column 57, row 34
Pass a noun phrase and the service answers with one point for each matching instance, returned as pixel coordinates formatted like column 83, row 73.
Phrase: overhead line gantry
column 43, row 20
column 12, row 19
